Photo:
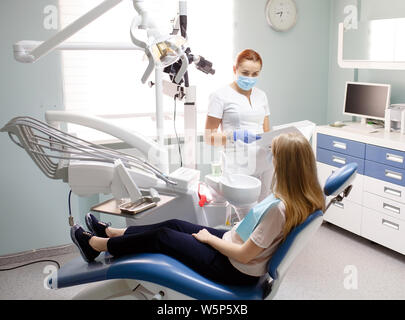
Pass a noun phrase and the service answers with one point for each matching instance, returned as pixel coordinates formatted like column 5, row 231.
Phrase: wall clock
column 281, row 15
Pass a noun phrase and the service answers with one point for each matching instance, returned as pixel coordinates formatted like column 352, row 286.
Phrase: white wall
column 368, row 10
column 33, row 208
column 295, row 70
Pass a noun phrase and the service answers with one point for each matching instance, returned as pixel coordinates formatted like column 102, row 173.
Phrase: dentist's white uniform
column 237, row 113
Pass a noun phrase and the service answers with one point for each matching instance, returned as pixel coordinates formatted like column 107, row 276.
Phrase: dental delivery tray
column 138, row 206
column 132, row 210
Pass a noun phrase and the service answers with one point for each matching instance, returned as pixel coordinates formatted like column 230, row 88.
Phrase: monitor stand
column 370, row 128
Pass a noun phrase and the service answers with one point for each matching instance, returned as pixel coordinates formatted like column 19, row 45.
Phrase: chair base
column 125, row 289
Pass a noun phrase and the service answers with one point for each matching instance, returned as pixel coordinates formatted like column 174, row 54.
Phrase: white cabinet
column 346, row 215
column 384, row 205
column 385, row 189
column 375, row 208
column 383, row 229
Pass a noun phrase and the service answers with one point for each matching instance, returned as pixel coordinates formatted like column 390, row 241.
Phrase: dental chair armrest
column 340, row 180
column 339, row 184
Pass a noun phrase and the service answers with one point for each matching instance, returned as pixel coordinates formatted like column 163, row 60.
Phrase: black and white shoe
column 95, row 226
column 81, row 238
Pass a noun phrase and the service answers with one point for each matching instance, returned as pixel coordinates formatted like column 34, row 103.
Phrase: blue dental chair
column 157, row 276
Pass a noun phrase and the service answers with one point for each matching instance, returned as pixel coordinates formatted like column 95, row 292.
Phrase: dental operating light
column 161, row 49
column 166, row 53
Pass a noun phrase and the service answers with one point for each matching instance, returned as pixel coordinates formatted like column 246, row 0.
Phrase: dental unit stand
column 186, row 93
column 93, row 169
column 165, row 54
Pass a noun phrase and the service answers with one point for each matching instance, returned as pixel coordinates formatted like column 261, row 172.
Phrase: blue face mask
column 246, row 83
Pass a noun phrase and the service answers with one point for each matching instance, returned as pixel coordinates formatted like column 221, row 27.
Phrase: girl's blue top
column 254, row 216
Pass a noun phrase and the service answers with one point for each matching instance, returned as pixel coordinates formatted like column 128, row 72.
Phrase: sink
column 238, row 189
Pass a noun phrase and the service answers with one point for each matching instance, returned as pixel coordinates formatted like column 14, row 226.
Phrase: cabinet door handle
column 392, row 192
column 339, row 205
column 391, row 208
column 339, row 145
column 393, row 175
column 338, row 160
column 390, row 224
column 394, row 157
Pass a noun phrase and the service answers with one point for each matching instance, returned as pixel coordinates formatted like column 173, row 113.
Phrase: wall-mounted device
column 395, row 118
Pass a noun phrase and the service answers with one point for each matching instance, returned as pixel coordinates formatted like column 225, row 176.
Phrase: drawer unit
column 384, row 172
column 356, row 194
column 384, row 189
column 390, row 157
column 375, row 208
column 338, row 159
column 349, row 147
column 346, row 215
column 383, row 229
column 384, row 205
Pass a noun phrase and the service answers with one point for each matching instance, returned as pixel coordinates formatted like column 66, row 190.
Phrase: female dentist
column 243, row 112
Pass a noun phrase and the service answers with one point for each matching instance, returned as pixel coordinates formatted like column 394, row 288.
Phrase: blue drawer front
column 352, row 148
column 384, row 172
column 337, row 159
column 391, row 157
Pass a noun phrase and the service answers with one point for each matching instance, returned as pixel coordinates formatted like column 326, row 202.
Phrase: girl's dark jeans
column 174, row 238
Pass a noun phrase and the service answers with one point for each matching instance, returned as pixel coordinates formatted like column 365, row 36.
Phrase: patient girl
column 219, row 254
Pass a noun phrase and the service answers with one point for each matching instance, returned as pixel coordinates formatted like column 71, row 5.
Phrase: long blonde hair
column 295, row 179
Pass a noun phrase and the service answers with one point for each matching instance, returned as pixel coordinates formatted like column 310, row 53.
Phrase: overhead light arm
column 24, row 51
column 161, row 50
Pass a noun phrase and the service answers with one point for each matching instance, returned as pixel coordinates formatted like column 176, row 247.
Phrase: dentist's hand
column 245, row 135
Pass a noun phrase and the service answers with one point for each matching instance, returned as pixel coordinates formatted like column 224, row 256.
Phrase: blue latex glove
column 245, row 135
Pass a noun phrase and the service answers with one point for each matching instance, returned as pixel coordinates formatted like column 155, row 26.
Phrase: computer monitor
column 367, row 100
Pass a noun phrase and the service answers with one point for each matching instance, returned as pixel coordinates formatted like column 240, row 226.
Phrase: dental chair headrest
column 340, row 179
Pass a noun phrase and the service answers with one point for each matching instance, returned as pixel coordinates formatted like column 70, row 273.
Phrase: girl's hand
column 202, row 236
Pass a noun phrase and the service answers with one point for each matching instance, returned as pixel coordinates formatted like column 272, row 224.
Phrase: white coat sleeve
column 215, row 106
